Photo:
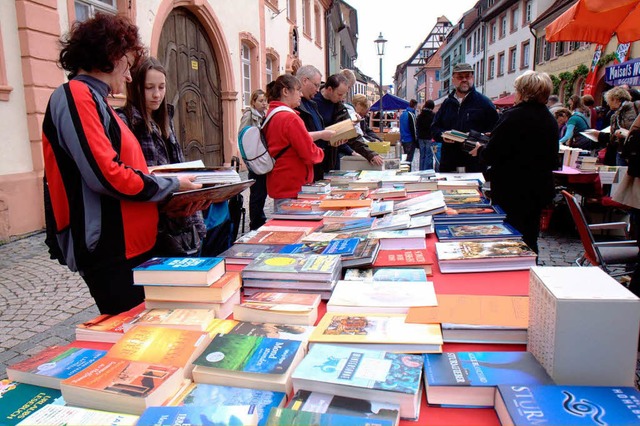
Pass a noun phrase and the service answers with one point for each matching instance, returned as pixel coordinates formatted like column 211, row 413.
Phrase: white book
column 385, row 297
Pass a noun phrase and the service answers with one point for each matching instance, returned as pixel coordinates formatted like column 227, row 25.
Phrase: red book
column 415, row 258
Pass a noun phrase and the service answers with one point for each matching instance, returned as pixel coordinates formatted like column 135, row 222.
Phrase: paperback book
column 308, row 247
column 248, row 361
column 274, row 237
column 236, row 415
column 383, row 297
column 332, row 216
column 62, row 415
column 107, row 328
column 386, row 274
column 364, row 254
column 364, row 374
column 243, row 254
column 343, row 247
column 417, row 258
column 184, row 319
column 20, row 400
column 221, row 309
column 347, row 226
column 288, row 416
column 481, row 256
column 301, row 267
column 188, row 271
column 381, row 208
column 476, row 231
column 470, row 378
column 471, row 213
column 217, row 292
column 278, row 331
column 277, row 307
column 297, row 209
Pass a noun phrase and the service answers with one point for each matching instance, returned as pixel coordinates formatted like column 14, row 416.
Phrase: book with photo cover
column 106, row 328
column 310, row 247
column 236, row 415
column 479, row 256
column 216, row 194
column 364, row 254
column 347, row 226
column 275, row 237
column 301, row 267
column 386, row 274
column 174, row 271
column 243, row 254
column 470, row 212
column 279, row 307
column 293, row 417
column 476, row 231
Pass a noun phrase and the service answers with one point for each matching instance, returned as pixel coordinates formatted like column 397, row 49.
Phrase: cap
column 462, row 68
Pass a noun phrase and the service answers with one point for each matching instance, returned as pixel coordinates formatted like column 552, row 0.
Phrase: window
column 5, row 89
column 291, row 10
column 306, row 17
column 503, row 26
column 528, row 11
column 86, row 9
column 269, row 69
column 512, row 59
column 494, row 29
column 318, row 24
column 547, row 50
column 500, row 64
column 559, row 48
column 574, row 45
column 492, row 68
column 469, row 40
column 481, row 73
column 246, row 74
column 540, row 50
column 525, row 51
column 515, row 18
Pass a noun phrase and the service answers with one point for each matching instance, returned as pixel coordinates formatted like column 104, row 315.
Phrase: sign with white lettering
column 625, row 73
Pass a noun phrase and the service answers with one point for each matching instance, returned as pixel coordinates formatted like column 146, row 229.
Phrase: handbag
column 177, row 238
column 631, row 153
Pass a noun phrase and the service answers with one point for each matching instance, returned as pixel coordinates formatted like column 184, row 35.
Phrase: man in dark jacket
column 464, row 109
column 423, row 130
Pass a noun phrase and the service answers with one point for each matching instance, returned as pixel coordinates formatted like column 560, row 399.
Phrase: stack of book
column 198, row 283
column 279, row 308
column 107, row 328
column 484, row 256
column 470, row 231
column 315, row 191
column 295, row 209
column 313, row 273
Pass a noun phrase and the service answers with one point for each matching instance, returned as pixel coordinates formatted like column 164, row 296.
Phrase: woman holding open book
column 289, row 140
column 522, row 154
column 150, row 118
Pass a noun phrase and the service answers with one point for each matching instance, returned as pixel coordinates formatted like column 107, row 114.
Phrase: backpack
column 253, row 146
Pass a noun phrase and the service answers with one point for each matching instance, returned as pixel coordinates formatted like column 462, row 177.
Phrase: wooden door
column 193, row 87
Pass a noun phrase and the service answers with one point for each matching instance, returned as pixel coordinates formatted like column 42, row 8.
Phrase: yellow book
column 344, row 130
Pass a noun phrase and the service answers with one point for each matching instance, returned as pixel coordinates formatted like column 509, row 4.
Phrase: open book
column 593, row 133
column 218, row 193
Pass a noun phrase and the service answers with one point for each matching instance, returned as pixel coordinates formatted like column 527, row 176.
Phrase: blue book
column 469, row 378
column 345, row 247
column 189, row 271
column 316, row 247
column 201, row 394
column 567, row 405
column 19, row 400
column 290, row 417
column 470, row 212
column 203, row 415
column 475, row 231
column 344, row 371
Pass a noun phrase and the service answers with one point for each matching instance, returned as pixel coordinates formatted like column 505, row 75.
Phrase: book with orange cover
column 129, row 386
column 276, row 237
column 414, row 258
column 477, row 318
column 217, row 292
column 181, row 318
column 106, row 328
column 334, row 204
column 171, row 347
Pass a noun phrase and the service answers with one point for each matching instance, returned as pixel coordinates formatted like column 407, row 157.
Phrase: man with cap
column 463, row 110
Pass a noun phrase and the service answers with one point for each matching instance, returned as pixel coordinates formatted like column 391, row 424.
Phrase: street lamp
column 380, row 42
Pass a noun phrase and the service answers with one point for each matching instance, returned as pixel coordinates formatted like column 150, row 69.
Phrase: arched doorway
column 193, row 87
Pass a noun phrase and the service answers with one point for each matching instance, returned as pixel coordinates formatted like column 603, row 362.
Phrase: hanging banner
column 622, row 52
column 591, row 79
column 625, row 73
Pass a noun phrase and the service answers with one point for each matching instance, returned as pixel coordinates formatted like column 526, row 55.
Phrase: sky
column 404, row 24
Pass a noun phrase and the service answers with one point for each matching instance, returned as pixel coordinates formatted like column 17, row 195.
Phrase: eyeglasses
column 315, row 84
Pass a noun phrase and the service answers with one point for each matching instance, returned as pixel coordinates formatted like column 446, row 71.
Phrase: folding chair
column 607, row 255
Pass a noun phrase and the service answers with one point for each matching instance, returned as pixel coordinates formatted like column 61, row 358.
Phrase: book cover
column 381, row 208
column 376, row 330
column 390, row 222
column 398, row 258
column 386, row 274
column 107, row 328
column 364, row 254
column 345, row 247
column 475, row 231
column 331, row 216
column 252, row 354
column 307, row 301
column 207, row 395
column 389, row 192
column 186, row 319
column 279, row 331
column 287, row 416
column 276, row 237
column 303, row 267
column 50, row 366
column 179, row 271
column 216, row 194
column 308, row 247
column 318, row 237
column 244, row 253
column 344, row 130
column 381, row 296
column 470, row 212
column 131, row 385
column 296, row 206
column 346, row 226
column 236, row 415
column 20, row 400
column 563, row 405
column 466, row 250
column 218, row 292
column 470, row 378
column 317, row 402
column 61, row 415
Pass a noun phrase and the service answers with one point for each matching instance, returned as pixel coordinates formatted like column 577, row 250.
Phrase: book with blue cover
column 252, row 361
column 471, row 213
column 19, row 400
column 344, row 247
column 195, row 271
column 201, row 415
column 476, row 231
column 348, row 225
column 567, row 405
column 364, row 374
column 470, row 378
column 203, row 395
column 386, row 274
column 316, row 247
column 289, row 417
column 52, row 365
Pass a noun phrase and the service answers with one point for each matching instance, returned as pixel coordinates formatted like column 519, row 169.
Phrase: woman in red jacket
column 287, row 137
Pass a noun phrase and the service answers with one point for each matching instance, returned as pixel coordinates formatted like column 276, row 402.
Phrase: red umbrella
column 579, row 23
column 508, row 100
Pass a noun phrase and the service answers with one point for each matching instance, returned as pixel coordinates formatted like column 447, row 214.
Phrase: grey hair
column 307, row 71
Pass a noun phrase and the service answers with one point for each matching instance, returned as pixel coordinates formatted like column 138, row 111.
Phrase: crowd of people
column 102, row 201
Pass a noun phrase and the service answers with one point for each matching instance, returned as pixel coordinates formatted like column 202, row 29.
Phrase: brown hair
column 534, row 86
column 98, row 43
column 575, row 103
column 284, row 81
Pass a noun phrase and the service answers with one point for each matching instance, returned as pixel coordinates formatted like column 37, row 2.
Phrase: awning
column 508, row 100
column 625, row 73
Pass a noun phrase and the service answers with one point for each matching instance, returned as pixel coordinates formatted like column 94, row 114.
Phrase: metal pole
column 380, row 106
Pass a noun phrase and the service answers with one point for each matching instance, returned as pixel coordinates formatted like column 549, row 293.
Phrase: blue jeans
column 426, row 154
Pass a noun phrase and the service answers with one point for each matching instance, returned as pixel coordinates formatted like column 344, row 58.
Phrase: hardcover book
column 287, row 416
column 243, row 254
column 364, row 255
column 236, row 415
column 300, row 248
column 61, row 415
column 386, row 274
column 218, row 292
column 363, row 373
column 417, row 258
column 297, row 209
column 20, row 400
column 248, row 361
column 480, row 256
column 280, row 308
column 216, row 396
column 107, row 328
column 381, row 208
column 387, row 332
column 216, row 194
column 344, row 203
column 476, row 231
column 332, row 216
column 384, row 297
column 464, row 213
column 190, row 271
column 317, row 402
column 52, row 365
column 344, row 130
column 343, row 247
column 470, row 378
column 276, row 237
column 567, row 405
column 302, row 267
column 131, row 386
column 221, row 309
column 347, row 226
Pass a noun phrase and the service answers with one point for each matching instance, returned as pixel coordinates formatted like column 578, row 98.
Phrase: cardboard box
column 356, row 162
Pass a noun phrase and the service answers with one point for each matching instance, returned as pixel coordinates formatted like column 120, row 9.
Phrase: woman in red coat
column 288, row 139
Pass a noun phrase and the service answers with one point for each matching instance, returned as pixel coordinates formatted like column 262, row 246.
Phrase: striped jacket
column 103, row 199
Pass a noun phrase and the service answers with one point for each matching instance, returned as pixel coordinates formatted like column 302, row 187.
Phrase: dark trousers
column 634, row 284
column 409, row 148
column 112, row 287
column 257, row 198
column 526, row 219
